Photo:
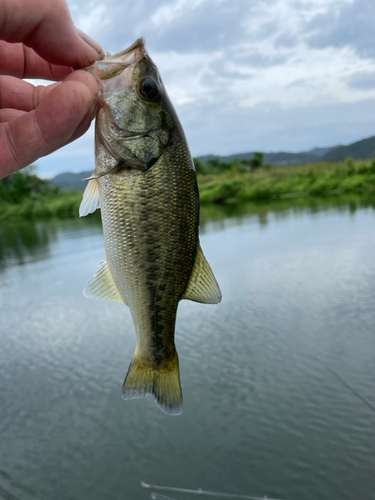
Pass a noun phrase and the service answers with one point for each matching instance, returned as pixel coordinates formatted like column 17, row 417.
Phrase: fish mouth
column 140, row 44
column 110, row 72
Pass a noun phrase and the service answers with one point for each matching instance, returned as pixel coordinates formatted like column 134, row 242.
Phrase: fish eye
column 148, row 89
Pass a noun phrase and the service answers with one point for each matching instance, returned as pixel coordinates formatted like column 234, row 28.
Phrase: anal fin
column 102, row 285
column 202, row 286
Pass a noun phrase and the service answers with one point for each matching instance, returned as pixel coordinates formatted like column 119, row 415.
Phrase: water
column 262, row 415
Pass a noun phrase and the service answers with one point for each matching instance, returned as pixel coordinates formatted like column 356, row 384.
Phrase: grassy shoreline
column 62, row 205
column 232, row 187
column 312, row 180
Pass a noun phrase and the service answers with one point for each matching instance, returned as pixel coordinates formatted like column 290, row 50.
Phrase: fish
column 146, row 188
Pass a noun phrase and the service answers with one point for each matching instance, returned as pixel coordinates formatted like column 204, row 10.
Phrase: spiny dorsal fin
column 90, row 200
column 202, row 286
column 102, row 285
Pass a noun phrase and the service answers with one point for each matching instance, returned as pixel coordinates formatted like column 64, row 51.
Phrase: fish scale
column 149, row 243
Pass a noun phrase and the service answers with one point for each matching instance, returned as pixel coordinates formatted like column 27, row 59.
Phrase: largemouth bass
column 145, row 184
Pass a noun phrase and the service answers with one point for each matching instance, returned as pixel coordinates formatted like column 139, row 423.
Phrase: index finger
column 23, row 62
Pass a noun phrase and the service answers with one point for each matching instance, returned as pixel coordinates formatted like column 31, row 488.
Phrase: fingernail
column 92, row 43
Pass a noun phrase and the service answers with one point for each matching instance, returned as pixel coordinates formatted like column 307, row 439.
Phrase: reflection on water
column 20, row 241
column 284, row 208
column 262, row 415
column 23, row 241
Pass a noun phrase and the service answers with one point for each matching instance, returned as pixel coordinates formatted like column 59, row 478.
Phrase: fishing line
column 350, row 387
column 342, row 380
column 198, row 492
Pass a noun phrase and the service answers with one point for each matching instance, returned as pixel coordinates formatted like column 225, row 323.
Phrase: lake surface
column 262, row 414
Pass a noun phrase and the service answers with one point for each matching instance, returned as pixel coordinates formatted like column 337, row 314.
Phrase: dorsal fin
column 102, row 285
column 90, row 200
column 202, row 286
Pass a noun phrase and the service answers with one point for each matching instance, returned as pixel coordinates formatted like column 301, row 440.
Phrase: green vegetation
column 24, row 196
column 239, row 185
column 215, row 166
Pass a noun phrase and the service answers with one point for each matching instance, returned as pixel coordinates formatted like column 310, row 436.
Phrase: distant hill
column 281, row 158
column 320, row 152
column 361, row 150
column 68, row 180
column 289, row 158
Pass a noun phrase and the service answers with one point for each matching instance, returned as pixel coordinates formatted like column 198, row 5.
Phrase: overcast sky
column 245, row 75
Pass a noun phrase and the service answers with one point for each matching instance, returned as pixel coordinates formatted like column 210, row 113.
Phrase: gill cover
column 131, row 123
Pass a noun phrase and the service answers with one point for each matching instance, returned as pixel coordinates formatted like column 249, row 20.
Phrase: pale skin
column 39, row 40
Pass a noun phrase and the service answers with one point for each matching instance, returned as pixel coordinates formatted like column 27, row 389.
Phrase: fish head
column 135, row 117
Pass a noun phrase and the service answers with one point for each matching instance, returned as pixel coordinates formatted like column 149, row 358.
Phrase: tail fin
column 163, row 383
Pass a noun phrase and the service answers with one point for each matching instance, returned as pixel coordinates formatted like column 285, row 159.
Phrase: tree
column 257, row 160
column 23, row 184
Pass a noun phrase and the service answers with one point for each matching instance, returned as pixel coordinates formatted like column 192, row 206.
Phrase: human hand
column 38, row 40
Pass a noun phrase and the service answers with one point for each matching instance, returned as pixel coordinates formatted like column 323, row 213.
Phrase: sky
column 245, row 75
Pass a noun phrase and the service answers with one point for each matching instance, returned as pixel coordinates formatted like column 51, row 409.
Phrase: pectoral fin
column 102, row 285
column 90, row 200
column 202, row 286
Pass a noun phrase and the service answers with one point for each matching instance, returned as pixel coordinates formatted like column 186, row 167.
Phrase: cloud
column 286, row 40
column 87, row 20
column 300, row 82
column 202, row 26
column 225, row 71
column 114, row 24
column 345, row 24
column 267, row 75
column 363, row 81
column 171, row 11
column 259, row 60
column 271, row 128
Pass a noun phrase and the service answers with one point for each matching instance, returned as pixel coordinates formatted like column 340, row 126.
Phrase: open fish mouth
column 110, row 72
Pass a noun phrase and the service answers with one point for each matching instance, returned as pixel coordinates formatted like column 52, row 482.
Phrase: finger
column 82, row 127
column 8, row 115
column 23, row 62
column 46, row 26
column 18, row 94
column 51, row 125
